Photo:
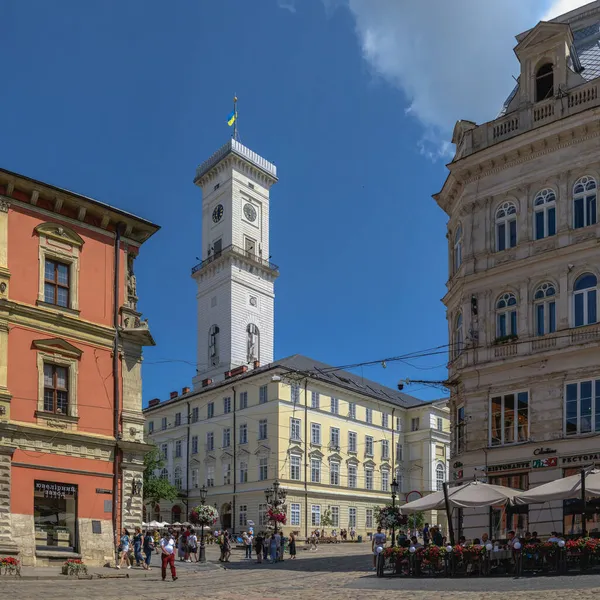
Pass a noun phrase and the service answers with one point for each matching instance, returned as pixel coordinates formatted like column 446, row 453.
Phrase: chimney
column 206, row 382
column 154, row 402
column 185, row 390
column 235, row 372
column 256, row 364
column 173, row 395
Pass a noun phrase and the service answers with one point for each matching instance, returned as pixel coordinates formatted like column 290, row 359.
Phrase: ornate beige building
column 524, row 262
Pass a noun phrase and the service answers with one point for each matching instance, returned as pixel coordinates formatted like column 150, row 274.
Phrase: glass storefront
column 572, row 510
column 510, row 518
column 55, row 516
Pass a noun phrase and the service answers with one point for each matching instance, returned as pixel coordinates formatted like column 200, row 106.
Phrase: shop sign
column 55, row 490
column 458, row 474
column 539, row 451
column 581, row 458
column 101, row 491
column 542, row 463
column 515, row 466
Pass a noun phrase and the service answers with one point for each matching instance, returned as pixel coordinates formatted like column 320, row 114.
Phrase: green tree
column 155, row 487
column 326, row 519
column 416, row 520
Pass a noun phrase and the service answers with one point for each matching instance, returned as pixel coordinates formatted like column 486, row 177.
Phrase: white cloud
column 287, row 5
column 560, row 7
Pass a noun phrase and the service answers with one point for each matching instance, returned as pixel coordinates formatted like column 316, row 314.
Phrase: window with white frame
column 399, row 452
column 164, row 474
column 294, row 514
column 150, row 427
column 352, row 517
column 295, row 393
column 544, row 214
column 334, row 473
column 177, row 419
column 295, row 463
column 351, row 410
column 315, row 434
column 506, row 226
column 585, row 300
column 369, row 478
column 398, row 424
column 243, row 515
column 263, row 394
column 384, row 420
column 163, row 423
column 262, row 429
column 164, row 450
column 352, row 476
column 226, row 405
column 506, row 315
column 457, row 255
column 385, row 449
column 210, row 441
column 243, row 400
column 440, row 477
column 544, row 299
column 210, row 410
column 227, row 474
column 385, row 480
column 262, row 515
column 315, row 399
column 582, row 407
column 178, row 481
column 243, row 472
column 315, row 470
column 369, row 415
column 509, row 418
column 335, row 516
column 210, row 476
column 315, row 515
column 415, row 423
column 226, row 437
column 295, row 429
column 352, row 441
column 369, row 445
column 584, row 202
column 213, row 345
column 195, row 414
column 461, row 422
column 400, row 479
column 178, row 449
column 334, row 438
column 263, row 469
column 195, row 478
column 335, row 406
column 439, row 424
column 459, row 339
column 369, row 518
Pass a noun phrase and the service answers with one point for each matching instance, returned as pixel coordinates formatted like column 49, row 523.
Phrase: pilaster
column 132, row 477
column 7, row 544
column 4, row 272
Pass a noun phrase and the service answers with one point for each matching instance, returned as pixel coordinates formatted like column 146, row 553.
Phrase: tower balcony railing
column 233, row 250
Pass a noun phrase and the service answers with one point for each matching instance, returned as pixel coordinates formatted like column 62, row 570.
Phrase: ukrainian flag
column 231, row 118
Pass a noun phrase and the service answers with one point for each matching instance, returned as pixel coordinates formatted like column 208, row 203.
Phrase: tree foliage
column 326, row 519
column 156, row 488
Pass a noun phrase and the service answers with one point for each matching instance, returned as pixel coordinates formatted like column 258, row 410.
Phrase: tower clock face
column 250, row 212
column 217, row 213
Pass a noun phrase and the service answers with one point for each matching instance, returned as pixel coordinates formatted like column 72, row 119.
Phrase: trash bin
column 359, row 539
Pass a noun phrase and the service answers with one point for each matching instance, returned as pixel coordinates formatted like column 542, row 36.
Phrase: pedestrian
column 124, row 550
column 137, row 547
column 167, row 547
column 378, row 541
column 247, row 541
column 193, row 545
column 272, row 549
column 292, row 546
column 226, row 547
column 181, row 546
column 352, row 533
column 148, row 548
column 426, row 534
column 279, row 545
column 258, row 545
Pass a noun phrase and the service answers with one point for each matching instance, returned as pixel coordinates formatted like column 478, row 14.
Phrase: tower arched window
column 585, row 300
column 458, row 335
column 544, row 82
column 544, row 300
column 506, row 226
column 458, row 242
column 506, row 315
column 440, row 477
column 585, row 192
column 544, row 208
column 213, row 346
column 253, row 343
column 164, row 474
column 177, row 477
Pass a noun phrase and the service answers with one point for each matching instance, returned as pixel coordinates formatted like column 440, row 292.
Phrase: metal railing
column 236, row 251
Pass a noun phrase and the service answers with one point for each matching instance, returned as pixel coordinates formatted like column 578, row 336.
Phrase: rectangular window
column 194, row 478
column 369, row 518
column 263, row 469
column 335, row 516
column 315, row 470
column 460, row 428
column 582, row 407
column 243, row 433
column 399, row 452
column 262, row 429
column 262, row 515
column 163, row 423
column 385, row 449
column 210, row 476
column 178, row 449
column 226, row 473
column 295, row 393
column 195, row 414
column 369, row 479
column 351, row 410
column 369, row 415
column 243, row 400
column 226, row 405
column 56, row 283
column 352, row 476
column 315, row 514
column 210, row 441
column 243, row 515
column 414, row 424
column 243, row 472
column 226, row 437
column 150, row 427
column 385, row 481
column 210, row 410
column 335, row 406
column 368, row 445
column 315, row 434
column 509, row 418
column 295, row 463
column 164, row 450
column 440, row 424
column 263, row 394
column 352, row 441
column 294, row 514
column 352, row 517
column 177, row 419
column 384, row 420
column 54, row 509
column 334, row 438
column 295, row 429
column 194, row 444
column 315, row 400
column 398, row 424
column 334, row 473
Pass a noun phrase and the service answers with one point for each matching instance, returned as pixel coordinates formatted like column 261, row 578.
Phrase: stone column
column 7, row 544
column 131, row 369
column 132, row 470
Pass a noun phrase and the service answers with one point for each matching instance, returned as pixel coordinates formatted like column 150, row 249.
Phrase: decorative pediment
column 262, row 450
column 385, row 468
column 60, row 233
column 369, row 464
column 209, row 459
column 353, row 461
column 334, row 458
column 226, row 455
column 244, row 452
column 316, row 453
column 541, row 33
column 57, row 346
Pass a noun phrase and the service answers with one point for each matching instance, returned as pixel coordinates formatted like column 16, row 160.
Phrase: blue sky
column 122, row 99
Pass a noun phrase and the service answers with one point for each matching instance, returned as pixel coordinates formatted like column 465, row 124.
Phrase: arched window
column 457, row 259
column 458, row 334
column 440, row 477
column 545, row 309
column 506, row 226
column 253, row 345
column 178, row 481
column 585, row 300
column 213, row 346
column 506, row 315
column 544, row 82
column 164, row 474
column 544, row 208
column 584, row 202
column 176, row 514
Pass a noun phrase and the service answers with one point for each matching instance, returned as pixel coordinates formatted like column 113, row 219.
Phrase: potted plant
column 74, row 567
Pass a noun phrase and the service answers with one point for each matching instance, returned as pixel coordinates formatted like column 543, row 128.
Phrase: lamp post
column 394, row 494
column 203, row 492
column 275, row 496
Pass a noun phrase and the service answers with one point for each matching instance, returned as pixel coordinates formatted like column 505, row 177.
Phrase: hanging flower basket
column 276, row 515
column 204, row 515
column 389, row 517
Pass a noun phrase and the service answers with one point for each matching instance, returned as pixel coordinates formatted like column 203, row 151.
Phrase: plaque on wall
column 107, row 506
column 96, row 527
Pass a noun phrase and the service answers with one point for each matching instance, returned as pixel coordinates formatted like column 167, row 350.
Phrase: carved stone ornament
column 4, row 205
column 131, row 284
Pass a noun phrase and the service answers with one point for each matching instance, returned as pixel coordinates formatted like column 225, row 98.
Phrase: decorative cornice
column 57, row 346
column 4, row 205
column 60, row 234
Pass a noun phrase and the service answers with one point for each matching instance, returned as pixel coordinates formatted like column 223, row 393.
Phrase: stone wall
column 97, row 549
column 23, row 534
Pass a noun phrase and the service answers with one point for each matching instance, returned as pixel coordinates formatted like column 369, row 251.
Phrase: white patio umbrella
column 154, row 524
column 562, row 489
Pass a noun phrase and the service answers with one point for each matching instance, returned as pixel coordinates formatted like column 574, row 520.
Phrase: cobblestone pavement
column 331, row 573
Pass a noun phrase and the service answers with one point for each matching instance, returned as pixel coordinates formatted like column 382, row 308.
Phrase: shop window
column 510, row 518
column 55, row 516
column 572, row 510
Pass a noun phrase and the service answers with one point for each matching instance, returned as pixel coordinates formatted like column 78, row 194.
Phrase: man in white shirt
column 167, row 548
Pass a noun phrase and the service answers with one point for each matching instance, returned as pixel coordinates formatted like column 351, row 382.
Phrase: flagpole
column 235, row 116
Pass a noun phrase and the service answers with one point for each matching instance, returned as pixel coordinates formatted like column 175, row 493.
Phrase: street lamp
column 203, row 492
column 275, row 496
column 395, row 487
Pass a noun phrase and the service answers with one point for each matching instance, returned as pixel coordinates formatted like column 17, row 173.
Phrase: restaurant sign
column 55, row 490
column 515, row 466
column 457, row 475
column 542, row 463
column 581, row 458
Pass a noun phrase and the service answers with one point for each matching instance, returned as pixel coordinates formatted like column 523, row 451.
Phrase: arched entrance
column 226, row 516
column 176, row 514
column 157, row 513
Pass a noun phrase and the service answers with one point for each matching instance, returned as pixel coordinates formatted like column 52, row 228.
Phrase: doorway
column 226, row 516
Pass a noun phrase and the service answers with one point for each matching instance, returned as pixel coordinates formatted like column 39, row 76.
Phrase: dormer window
column 544, row 82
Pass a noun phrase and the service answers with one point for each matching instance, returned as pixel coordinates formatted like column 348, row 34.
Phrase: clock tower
column 235, row 278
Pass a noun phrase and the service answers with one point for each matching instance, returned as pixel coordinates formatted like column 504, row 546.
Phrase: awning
column 562, row 489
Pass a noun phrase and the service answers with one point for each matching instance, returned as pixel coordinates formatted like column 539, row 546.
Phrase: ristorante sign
column 514, row 466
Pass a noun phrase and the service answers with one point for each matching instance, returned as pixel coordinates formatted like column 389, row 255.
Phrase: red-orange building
column 71, row 338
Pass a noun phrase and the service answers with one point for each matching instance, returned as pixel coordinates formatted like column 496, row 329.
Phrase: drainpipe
column 306, row 458
column 187, row 466
column 116, row 390
column 234, row 460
